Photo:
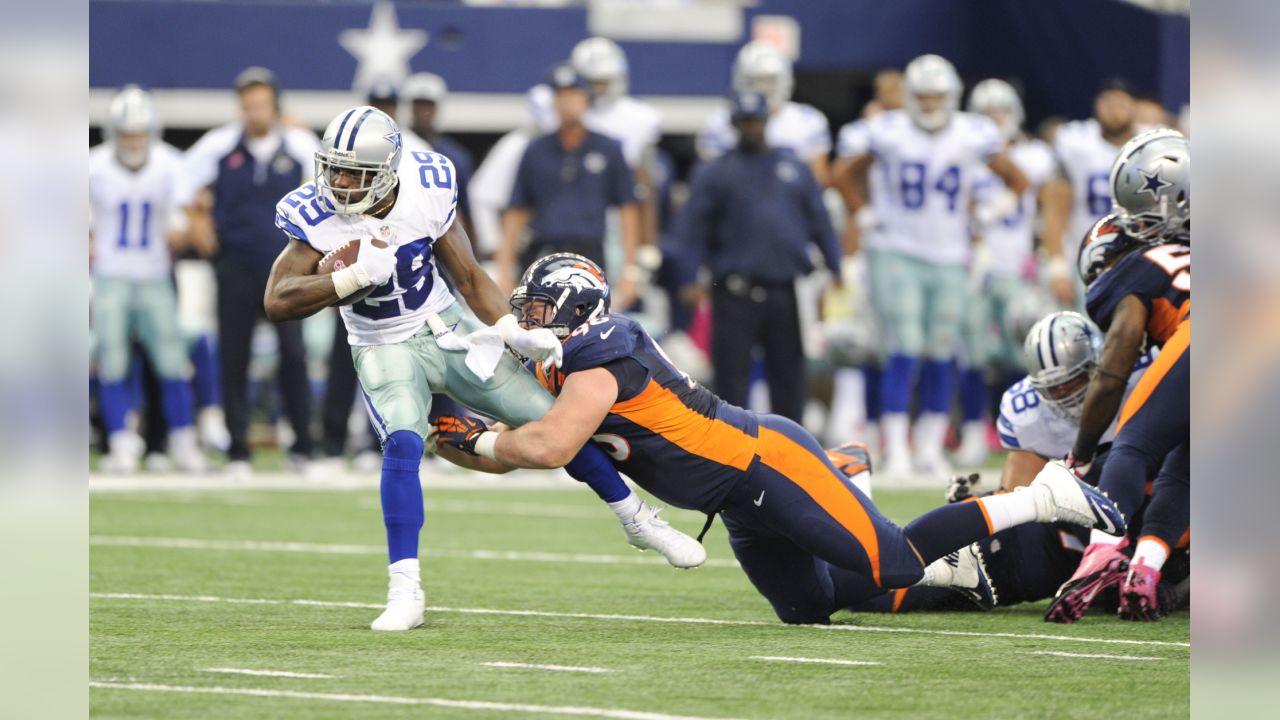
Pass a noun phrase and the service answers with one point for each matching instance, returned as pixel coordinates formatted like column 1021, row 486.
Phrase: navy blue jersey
column 666, row 432
column 1159, row 276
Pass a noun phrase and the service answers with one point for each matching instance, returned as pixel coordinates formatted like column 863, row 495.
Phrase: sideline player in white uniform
column 636, row 125
column 409, row 337
column 1002, row 264
column 919, row 251
column 800, row 128
column 1085, row 150
column 139, row 195
column 1040, row 414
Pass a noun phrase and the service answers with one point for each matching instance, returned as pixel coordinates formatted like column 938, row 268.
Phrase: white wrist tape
column 508, row 328
column 487, row 444
column 349, row 279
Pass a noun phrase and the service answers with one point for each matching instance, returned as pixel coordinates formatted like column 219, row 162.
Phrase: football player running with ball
column 410, row 338
column 807, row 537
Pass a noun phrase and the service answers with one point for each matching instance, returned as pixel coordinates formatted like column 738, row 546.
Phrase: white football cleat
column 238, row 470
column 1062, row 497
column 406, row 605
column 185, row 451
column 973, row 449
column 126, row 452
column 212, row 427
column 647, row 531
column 969, row 576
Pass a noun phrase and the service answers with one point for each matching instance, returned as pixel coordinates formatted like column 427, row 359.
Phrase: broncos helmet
column 762, row 68
column 574, row 287
column 1151, row 184
column 1060, row 353
column 364, row 142
column 1105, row 241
column 931, row 75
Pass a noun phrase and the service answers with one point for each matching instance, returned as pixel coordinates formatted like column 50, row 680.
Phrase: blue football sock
column 177, row 398
column 116, row 401
column 402, row 511
column 947, row 528
column 871, row 392
column 593, row 467
column 937, row 380
column 204, row 358
column 973, row 394
column 895, row 384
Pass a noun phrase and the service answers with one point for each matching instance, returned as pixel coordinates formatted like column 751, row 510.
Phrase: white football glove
column 539, row 344
column 376, row 264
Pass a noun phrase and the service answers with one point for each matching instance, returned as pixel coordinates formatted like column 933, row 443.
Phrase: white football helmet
column 999, row 101
column 425, row 86
column 604, row 65
column 1151, row 187
column 931, row 75
column 363, row 142
column 762, row 68
column 132, row 110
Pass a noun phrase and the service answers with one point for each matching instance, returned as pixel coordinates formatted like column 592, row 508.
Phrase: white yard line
column 268, row 673
column 557, row 668
column 431, row 479
column 1095, row 657
column 649, row 618
column 398, row 700
column 813, row 661
column 337, row 549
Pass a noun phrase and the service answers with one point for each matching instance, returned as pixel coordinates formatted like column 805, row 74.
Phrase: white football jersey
column 1010, row 241
column 425, row 207
column 1086, row 160
column 131, row 211
column 635, row 124
column 797, row 127
column 1027, row 423
column 924, row 180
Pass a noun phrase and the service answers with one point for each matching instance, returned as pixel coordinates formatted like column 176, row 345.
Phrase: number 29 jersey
column 426, row 204
column 1159, row 276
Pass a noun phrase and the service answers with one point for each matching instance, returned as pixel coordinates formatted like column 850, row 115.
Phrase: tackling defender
column 809, row 540
column 410, row 338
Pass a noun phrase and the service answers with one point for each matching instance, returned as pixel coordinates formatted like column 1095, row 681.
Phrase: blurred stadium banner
column 189, row 52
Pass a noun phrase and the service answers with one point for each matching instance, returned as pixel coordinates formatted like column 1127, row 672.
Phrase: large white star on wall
column 383, row 50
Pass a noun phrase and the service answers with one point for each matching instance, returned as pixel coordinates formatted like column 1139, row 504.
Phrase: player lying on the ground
column 808, row 539
column 410, row 338
column 1136, row 265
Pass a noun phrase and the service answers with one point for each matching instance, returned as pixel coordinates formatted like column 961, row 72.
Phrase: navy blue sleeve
column 522, row 188
column 622, row 183
column 697, row 220
column 1133, row 275
column 820, row 230
column 600, row 343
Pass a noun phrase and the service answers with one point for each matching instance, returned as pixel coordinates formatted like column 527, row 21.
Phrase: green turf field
column 189, row 585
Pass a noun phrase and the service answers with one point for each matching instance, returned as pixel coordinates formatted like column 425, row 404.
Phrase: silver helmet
column 1060, row 353
column 362, row 142
column 762, row 68
column 425, row 86
column 604, row 65
column 931, row 75
column 132, row 111
column 1151, row 186
column 999, row 101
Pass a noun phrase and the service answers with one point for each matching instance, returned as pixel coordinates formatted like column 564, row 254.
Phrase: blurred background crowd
column 842, row 212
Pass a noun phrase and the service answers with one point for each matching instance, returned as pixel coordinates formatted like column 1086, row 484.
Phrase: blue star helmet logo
column 1153, row 183
column 394, row 138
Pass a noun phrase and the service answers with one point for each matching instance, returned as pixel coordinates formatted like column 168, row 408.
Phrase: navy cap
column 563, row 76
column 749, row 105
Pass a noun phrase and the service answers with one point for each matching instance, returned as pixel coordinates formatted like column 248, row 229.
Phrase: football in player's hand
column 341, row 257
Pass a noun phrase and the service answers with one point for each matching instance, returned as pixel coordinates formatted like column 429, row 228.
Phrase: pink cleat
column 1102, row 566
column 1138, row 594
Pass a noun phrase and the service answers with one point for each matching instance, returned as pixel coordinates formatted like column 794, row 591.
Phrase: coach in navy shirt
column 566, row 182
column 751, row 218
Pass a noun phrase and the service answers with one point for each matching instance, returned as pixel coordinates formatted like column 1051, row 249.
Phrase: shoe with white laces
column 1062, row 497
column 969, row 576
column 647, row 531
column 185, row 451
column 406, row 605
